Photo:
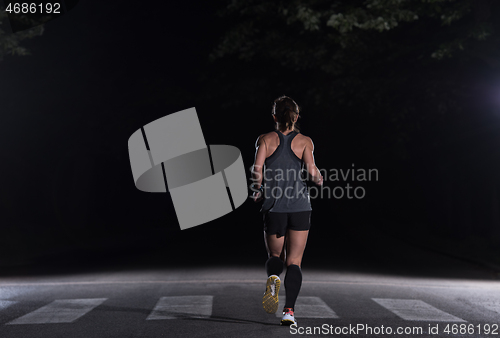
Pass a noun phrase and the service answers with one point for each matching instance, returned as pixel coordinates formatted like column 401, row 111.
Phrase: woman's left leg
column 274, row 231
column 296, row 243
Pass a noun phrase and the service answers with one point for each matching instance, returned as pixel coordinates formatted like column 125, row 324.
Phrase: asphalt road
column 224, row 301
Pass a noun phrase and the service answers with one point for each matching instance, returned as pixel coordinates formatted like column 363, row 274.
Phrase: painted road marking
column 60, row 311
column 6, row 303
column 181, row 307
column 491, row 305
column 308, row 307
column 414, row 309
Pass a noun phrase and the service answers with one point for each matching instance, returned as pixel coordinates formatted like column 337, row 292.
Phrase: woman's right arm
column 260, row 157
column 308, row 158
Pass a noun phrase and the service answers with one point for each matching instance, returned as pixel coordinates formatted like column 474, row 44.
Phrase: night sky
column 103, row 70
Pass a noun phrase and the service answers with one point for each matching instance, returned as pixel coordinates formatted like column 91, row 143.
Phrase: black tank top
column 284, row 190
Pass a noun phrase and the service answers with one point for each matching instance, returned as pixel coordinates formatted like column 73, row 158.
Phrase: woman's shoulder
column 303, row 137
column 266, row 137
column 272, row 133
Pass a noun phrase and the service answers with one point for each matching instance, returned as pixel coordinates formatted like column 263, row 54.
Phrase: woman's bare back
column 272, row 141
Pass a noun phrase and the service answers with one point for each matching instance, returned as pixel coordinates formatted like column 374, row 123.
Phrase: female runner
column 286, row 205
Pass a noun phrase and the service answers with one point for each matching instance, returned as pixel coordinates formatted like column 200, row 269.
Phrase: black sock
column 274, row 266
column 293, row 282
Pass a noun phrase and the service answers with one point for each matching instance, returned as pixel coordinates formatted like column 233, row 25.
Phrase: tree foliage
column 336, row 35
column 10, row 43
column 396, row 66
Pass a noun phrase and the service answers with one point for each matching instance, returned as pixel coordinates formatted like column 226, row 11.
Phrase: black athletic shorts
column 279, row 222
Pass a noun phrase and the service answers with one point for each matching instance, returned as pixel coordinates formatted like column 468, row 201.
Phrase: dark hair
column 285, row 109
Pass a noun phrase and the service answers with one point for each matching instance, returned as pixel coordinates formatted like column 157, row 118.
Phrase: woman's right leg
column 275, row 249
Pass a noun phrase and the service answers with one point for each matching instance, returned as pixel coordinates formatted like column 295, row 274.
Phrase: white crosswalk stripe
column 491, row 305
column 308, row 307
column 182, row 306
column 60, row 311
column 173, row 307
column 6, row 303
column 417, row 310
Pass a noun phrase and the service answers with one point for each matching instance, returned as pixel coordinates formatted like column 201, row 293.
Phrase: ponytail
column 288, row 116
column 286, row 110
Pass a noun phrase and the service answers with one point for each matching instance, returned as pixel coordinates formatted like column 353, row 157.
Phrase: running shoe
column 288, row 317
column 270, row 298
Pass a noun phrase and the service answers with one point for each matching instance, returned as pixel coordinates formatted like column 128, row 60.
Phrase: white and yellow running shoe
column 270, row 298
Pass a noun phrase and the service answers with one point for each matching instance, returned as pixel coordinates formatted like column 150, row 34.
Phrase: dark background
column 100, row 72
